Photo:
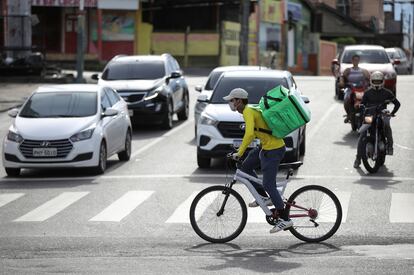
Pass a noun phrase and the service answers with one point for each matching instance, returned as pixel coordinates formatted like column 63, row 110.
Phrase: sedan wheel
column 183, row 114
column 12, row 172
column 126, row 154
column 167, row 124
column 100, row 169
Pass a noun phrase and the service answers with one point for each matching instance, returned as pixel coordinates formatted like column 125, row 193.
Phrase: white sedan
column 71, row 125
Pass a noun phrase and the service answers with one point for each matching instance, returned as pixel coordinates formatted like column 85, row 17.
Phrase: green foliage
column 348, row 40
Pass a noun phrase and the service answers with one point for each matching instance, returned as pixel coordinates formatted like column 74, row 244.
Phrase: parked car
column 70, row 125
column 207, row 90
column 153, row 86
column 402, row 64
column 372, row 57
column 220, row 129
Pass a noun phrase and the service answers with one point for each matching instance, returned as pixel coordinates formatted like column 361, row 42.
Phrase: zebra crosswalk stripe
column 402, row 208
column 52, row 207
column 181, row 213
column 7, row 198
column 122, row 207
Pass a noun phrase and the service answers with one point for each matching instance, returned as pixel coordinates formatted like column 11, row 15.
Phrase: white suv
column 220, row 129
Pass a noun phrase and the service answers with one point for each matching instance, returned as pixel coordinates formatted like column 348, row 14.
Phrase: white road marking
column 404, row 147
column 402, row 208
column 327, row 203
column 7, row 198
column 52, row 207
column 181, row 213
column 122, row 207
column 344, row 198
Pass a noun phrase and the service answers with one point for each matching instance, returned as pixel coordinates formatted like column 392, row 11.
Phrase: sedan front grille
column 231, row 129
column 132, row 96
column 63, row 146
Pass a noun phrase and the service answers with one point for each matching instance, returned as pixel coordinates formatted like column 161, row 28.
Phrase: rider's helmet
column 377, row 80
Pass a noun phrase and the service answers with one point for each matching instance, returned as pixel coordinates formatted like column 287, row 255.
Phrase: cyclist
column 268, row 156
column 356, row 75
column 376, row 95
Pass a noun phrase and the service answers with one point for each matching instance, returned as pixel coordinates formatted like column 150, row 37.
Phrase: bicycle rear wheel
column 316, row 213
column 208, row 221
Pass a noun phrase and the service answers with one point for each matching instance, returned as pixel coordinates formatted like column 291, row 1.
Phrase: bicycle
column 218, row 214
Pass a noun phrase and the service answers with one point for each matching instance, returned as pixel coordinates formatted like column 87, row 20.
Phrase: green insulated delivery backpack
column 283, row 111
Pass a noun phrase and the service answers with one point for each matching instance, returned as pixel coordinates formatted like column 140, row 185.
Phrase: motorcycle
column 374, row 142
column 357, row 92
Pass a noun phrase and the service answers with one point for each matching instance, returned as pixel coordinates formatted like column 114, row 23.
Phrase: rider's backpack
column 283, row 111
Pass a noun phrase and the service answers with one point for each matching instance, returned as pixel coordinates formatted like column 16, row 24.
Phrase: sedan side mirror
column 202, row 98
column 95, row 77
column 110, row 112
column 13, row 112
column 198, row 88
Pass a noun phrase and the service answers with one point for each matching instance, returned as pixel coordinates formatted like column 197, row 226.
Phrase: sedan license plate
column 131, row 112
column 238, row 142
column 44, row 152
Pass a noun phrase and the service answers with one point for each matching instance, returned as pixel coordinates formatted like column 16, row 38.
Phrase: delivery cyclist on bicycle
column 268, row 156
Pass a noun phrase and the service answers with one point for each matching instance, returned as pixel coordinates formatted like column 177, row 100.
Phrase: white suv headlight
column 86, row 134
column 206, row 120
column 12, row 136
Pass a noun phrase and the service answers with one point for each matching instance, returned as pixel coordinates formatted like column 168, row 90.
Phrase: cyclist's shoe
column 281, row 225
column 267, row 200
column 357, row 162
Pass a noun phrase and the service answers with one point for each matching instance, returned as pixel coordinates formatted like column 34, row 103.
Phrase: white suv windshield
column 366, row 56
column 60, row 104
column 256, row 87
column 134, row 70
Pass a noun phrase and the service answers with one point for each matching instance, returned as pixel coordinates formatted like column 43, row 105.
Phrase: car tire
column 184, row 112
column 101, row 167
column 203, row 162
column 126, row 154
column 12, row 172
column 302, row 147
column 167, row 122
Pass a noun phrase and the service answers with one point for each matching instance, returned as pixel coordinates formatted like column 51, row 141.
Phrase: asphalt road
column 60, row 221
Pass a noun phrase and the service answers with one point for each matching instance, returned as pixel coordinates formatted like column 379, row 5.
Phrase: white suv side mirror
column 13, row 112
column 202, row 98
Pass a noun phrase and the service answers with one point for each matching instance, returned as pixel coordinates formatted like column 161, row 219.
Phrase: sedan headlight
column 152, row 94
column 86, row 134
column 206, row 120
column 390, row 76
column 12, row 136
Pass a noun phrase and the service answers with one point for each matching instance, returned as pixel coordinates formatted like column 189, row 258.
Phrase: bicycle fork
column 226, row 192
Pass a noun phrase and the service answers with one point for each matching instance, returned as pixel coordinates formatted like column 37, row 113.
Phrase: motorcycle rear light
column 359, row 95
column 368, row 119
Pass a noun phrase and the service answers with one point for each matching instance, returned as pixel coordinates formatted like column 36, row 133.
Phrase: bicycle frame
column 245, row 178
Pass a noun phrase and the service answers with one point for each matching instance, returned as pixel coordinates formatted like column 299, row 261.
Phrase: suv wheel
column 101, row 167
column 167, row 123
column 126, row 154
column 203, row 162
column 183, row 113
column 12, row 172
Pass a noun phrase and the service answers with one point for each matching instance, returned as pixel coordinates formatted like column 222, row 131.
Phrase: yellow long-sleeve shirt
column 253, row 119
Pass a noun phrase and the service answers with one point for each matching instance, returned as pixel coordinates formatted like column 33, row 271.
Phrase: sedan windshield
column 367, row 56
column 256, row 87
column 134, row 70
column 60, row 104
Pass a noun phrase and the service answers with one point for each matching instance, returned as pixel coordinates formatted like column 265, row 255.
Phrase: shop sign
column 118, row 5
column 295, row 9
column 64, row 3
column 271, row 11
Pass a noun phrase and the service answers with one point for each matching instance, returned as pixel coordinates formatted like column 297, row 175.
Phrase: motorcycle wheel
column 371, row 165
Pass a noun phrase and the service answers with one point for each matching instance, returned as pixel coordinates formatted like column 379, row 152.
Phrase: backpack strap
column 266, row 97
column 266, row 131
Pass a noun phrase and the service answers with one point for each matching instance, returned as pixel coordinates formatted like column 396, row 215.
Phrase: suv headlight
column 206, row 120
column 390, row 76
column 15, row 137
column 86, row 134
column 153, row 94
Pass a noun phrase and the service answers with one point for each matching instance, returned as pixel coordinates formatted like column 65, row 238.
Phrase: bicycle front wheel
column 316, row 213
column 218, row 214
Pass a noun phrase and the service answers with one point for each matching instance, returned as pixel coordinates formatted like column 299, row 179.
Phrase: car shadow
column 377, row 181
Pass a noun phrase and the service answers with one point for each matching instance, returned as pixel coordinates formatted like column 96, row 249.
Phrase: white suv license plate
column 44, row 152
column 237, row 143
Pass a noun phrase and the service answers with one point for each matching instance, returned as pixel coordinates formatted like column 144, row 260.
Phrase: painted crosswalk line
column 181, row 213
column 122, row 207
column 402, row 208
column 52, row 207
column 7, row 198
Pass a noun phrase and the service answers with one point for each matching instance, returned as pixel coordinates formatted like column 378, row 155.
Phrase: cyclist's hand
column 235, row 156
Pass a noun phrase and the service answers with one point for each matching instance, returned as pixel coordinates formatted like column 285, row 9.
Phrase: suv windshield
column 256, row 87
column 366, row 56
column 134, row 70
column 60, row 104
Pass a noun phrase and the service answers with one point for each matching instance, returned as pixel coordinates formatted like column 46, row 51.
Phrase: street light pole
column 79, row 48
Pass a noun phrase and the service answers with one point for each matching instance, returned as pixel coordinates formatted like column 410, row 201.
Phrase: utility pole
column 244, row 31
column 79, row 46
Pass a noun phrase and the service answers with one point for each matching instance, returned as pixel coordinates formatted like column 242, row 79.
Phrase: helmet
column 377, row 80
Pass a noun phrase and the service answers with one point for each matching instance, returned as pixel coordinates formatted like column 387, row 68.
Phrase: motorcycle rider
column 356, row 75
column 377, row 95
